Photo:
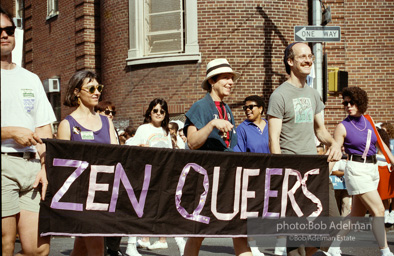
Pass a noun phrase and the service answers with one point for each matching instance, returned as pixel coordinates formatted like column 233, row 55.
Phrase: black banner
column 111, row 190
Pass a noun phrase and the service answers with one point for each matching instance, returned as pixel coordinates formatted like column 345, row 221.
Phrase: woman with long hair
column 357, row 136
column 85, row 125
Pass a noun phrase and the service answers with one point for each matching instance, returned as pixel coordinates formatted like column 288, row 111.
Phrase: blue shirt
column 251, row 138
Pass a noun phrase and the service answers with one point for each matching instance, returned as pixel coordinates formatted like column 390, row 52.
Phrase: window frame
column 54, row 11
column 136, row 53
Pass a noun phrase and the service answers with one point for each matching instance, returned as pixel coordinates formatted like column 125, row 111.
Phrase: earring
column 79, row 101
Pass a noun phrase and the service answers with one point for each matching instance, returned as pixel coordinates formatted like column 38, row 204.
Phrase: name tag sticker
column 87, row 135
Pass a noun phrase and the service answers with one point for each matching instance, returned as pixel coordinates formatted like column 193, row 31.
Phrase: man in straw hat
column 210, row 126
column 294, row 119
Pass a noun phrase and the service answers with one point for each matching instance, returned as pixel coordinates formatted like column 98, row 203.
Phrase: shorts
column 361, row 177
column 17, row 179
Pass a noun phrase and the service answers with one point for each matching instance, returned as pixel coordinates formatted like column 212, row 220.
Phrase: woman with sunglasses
column 85, row 125
column 357, row 136
column 253, row 132
column 153, row 133
column 106, row 108
column 253, row 137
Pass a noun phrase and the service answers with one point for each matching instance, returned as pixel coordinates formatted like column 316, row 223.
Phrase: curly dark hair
column 259, row 101
column 103, row 105
column 358, row 95
column 164, row 106
column 389, row 128
column 385, row 136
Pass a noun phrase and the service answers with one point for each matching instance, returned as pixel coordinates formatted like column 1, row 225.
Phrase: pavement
column 61, row 246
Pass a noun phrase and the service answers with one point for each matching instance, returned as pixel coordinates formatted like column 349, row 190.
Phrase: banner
column 112, row 190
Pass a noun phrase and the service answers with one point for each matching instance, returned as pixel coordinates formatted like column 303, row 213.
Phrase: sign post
column 317, row 34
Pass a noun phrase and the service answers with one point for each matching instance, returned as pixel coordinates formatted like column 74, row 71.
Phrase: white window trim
column 52, row 13
column 136, row 43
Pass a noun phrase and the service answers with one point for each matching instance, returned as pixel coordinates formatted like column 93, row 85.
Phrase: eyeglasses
column 155, row 110
column 306, row 57
column 10, row 30
column 345, row 103
column 249, row 107
column 107, row 112
column 91, row 89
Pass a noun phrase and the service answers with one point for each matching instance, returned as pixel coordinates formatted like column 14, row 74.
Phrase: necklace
column 365, row 124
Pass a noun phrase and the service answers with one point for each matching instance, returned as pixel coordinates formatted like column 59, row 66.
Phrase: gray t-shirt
column 297, row 108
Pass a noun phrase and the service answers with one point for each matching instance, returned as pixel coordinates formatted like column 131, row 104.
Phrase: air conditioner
column 52, row 85
column 18, row 22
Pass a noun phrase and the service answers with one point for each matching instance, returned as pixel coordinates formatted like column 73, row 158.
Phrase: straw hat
column 216, row 67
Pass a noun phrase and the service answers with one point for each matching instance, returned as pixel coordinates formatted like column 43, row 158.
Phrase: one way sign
column 317, row 34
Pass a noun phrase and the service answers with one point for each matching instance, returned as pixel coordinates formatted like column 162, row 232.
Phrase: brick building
column 147, row 49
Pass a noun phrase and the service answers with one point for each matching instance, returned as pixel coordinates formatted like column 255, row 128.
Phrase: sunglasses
column 155, row 110
column 107, row 112
column 9, row 30
column 91, row 89
column 250, row 107
column 345, row 103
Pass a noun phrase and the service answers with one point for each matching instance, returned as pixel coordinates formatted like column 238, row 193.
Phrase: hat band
column 218, row 66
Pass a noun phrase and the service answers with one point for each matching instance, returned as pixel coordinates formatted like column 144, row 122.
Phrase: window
column 162, row 32
column 52, row 8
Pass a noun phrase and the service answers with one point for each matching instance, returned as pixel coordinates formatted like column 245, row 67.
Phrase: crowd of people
column 294, row 121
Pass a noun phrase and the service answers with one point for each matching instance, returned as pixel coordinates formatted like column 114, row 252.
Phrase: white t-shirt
column 23, row 104
column 153, row 136
column 129, row 141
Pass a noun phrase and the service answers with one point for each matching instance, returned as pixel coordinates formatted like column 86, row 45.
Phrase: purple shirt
column 356, row 136
column 80, row 133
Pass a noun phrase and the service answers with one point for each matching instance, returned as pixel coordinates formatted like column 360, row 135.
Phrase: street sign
column 317, row 33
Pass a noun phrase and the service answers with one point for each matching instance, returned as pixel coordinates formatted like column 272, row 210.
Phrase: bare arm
column 112, row 132
column 340, row 134
column 334, row 149
column 63, row 131
column 389, row 154
column 20, row 135
column 41, row 178
column 274, row 130
column 196, row 138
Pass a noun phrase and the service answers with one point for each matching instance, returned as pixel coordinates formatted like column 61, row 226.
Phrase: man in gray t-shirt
column 295, row 118
column 294, row 110
column 296, row 107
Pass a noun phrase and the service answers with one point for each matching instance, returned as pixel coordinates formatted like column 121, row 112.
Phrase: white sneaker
column 280, row 251
column 181, row 245
column 158, row 245
column 386, row 216
column 386, row 253
column 256, row 252
column 390, row 217
column 333, row 251
column 142, row 244
column 132, row 250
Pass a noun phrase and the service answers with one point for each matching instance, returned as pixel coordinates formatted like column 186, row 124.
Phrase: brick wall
column 63, row 44
column 9, row 6
column 366, row 52
column 252, row 35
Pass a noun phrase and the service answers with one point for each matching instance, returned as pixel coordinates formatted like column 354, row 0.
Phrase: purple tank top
column 356, row 138
column 80, row 133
